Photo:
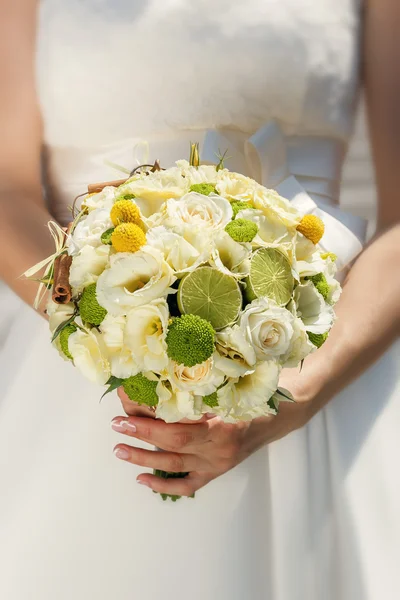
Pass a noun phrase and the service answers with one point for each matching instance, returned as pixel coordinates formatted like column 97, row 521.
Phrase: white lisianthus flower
column 196, row 211
column 152, row 190
column 231, row 366
column 247, row 398
column 144, row 335
column 269, row 231
column 87, row 266
column 123, row 363
column 134, row 279
column 58, row 314
column 305, row 248
column 175, row 405
column 335, row 289
column 229, row 256
column 179, row 253
column 104, row 199
column 202, row 379
column 300, row 346
column 90, row 355
column 88, row 230
column 200, row 174
column 316, row 314
column 276, row 208
column 273, row 332
column 311, row 266
column 236, row 186
column 234, row 344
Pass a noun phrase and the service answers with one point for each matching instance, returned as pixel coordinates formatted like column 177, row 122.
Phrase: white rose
column 90, row 355
column 173, row 406
column 134, row 279
column 205, row 213
column 229, row 256
column 87, row 266
column 179, row 253
column 201, row 379
column 247, row 398
column 89, row 229
column 144, row 335
column 273, row 331
column 276, row 208
column 153, row 190
column 315, row 313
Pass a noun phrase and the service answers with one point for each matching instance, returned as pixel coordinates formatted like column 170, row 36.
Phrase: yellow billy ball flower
column 128, row 237
column 312, row 228
column 125, row 211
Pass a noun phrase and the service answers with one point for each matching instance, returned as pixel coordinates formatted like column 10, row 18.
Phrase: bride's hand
column 205, row 449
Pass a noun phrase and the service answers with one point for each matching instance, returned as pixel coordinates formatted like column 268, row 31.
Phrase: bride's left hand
column 205, row 449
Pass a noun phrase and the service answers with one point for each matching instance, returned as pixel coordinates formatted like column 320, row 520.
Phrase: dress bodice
column 112, row 71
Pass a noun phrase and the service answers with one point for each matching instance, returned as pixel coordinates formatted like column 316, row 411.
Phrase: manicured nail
column 121, row 453
column 142, row 482
column 123, row 426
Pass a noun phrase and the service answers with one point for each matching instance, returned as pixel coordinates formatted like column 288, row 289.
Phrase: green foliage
column 106, row 236
column 318, row 338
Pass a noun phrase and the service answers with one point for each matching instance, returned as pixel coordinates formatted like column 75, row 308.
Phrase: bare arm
column 24, row 240
column 369, row 309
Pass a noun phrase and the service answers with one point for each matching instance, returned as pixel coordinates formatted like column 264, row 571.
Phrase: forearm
column 24, row 239
column 368, row 321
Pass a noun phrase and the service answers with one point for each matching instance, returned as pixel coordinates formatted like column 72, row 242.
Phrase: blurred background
column 358, row 194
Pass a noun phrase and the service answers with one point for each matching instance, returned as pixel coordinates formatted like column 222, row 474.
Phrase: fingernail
column 121, row 453
column 123, row 426
column 142, row 482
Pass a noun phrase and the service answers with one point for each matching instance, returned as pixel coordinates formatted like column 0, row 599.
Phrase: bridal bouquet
column 190, row 287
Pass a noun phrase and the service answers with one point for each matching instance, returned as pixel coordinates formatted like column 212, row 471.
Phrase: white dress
column 314, row 516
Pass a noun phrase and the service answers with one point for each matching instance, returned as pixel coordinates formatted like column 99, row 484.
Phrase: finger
column 175, row 437
column 186, row 486
column 153, row 459
column 132, row 408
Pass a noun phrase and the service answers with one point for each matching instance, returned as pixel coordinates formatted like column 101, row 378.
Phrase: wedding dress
column 314, row 516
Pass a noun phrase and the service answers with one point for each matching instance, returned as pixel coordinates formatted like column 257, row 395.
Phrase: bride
column 304, row 505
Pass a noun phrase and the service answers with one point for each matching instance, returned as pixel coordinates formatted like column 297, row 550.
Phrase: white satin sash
column 305, row 170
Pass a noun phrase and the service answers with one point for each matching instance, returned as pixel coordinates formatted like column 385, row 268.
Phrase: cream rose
column 144, row 335
column 205, row 213
column 123, row 364
column 104, row 199
column 134, row 279
column 273, row 331
column 90, row 355
column 202, row 379
column 87, row 266
column 235, row 345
